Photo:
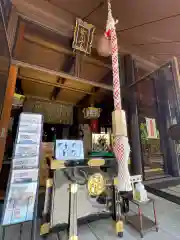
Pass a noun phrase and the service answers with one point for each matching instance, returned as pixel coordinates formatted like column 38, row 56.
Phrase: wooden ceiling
column 146, row 29
column 41, row 85
column 38, row 46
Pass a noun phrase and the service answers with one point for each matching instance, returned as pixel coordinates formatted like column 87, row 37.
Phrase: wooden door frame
column 6, row 110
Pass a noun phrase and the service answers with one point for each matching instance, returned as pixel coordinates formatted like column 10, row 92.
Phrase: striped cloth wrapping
column 121, row 145
column 122, row 152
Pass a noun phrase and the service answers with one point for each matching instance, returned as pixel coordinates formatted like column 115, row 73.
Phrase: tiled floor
column 169, row 224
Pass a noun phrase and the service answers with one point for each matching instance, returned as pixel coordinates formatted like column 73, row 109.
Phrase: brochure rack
column 22, row 192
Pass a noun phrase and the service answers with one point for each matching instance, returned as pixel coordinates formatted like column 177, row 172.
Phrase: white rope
column 110, row 20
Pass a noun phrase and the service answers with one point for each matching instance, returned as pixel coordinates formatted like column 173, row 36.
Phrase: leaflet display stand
column 22, row 191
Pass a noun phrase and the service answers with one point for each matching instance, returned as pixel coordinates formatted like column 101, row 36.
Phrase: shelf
column 147, row 224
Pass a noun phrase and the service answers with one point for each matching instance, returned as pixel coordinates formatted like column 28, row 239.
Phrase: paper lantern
column 104, row 46
column 91, row 112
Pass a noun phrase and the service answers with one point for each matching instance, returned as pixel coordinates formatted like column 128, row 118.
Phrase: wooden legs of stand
column 73, row 212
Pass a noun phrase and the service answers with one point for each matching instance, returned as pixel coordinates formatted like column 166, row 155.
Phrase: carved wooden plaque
column 83, row 36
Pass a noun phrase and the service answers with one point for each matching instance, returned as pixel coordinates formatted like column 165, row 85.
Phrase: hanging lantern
column 104, row 46
column 91, row 112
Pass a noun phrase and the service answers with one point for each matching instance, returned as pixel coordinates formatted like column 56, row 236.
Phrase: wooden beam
column 35, row 80
column 86, row 100
column 42, row 99
column 66, row 68
column 19, row 38
column 61, row 74
column 60, row 43
column 6, row 111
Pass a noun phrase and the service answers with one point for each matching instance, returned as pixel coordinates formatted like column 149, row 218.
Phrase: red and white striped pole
column 121, row 143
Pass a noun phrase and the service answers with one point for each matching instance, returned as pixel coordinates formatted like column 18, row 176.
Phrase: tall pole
column 121, row 143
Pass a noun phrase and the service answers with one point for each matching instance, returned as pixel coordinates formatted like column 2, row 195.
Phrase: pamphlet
column 20, row 203
column 28, row 138
column 31, row 118
column 30, row 128
column 26, row 162
column 24, row 176
column 22, row 190
column 26, row 150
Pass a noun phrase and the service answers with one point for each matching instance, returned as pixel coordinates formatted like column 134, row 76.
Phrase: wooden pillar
column 6, row 111
column 19, row 40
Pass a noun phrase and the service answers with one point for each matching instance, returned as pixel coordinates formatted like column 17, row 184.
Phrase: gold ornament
column 96, row 184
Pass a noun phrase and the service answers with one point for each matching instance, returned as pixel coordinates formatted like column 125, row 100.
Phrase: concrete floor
column 173, row 190
column 168, row 217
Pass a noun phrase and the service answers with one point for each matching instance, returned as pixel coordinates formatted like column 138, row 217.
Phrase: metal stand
column 73, row 212
column 141, row 223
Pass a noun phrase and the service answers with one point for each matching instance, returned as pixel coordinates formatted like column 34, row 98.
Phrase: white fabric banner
column 151, row 128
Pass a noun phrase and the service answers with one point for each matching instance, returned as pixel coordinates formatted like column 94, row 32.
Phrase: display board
column 21, row 195
column 69, row 150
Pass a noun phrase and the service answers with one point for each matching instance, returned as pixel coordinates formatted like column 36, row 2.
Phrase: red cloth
column 94, row 125
column 108, row 34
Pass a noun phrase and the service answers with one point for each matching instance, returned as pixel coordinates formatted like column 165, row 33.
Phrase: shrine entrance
column 60, row 98
column 158, row 110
